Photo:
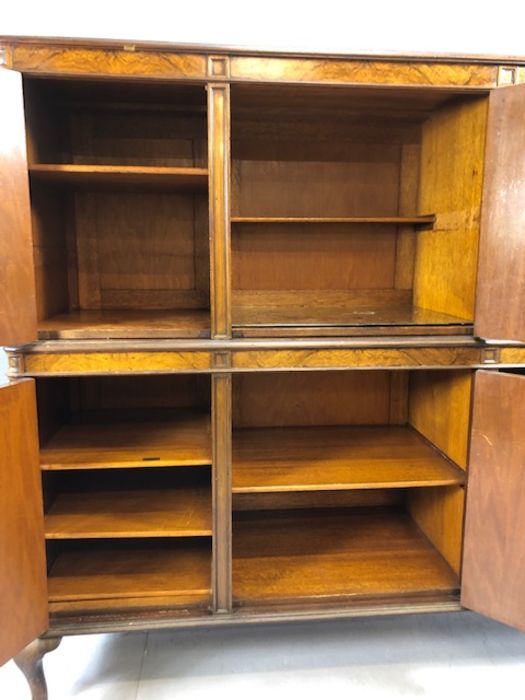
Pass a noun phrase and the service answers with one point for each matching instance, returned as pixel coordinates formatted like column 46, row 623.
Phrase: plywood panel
column 439, row 407
column 452, row 160
column 286, row 399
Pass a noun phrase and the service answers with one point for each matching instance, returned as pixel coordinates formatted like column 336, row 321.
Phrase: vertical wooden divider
column 219, row 197
column 220, row 293
column 222, row 491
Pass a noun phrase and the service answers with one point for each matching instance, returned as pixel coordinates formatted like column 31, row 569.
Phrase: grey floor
column 432, row 656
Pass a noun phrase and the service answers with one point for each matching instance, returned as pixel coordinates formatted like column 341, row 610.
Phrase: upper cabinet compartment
column 119, row 198
column 355, row 211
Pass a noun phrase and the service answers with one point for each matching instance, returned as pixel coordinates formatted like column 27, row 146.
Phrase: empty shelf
column 334, row 555
column 186, row 323
column 140, row 176
column 336, row 458
column 176, row 512
column 167, row 438
column 252, row 321
column 425, row 221
column 131, row 577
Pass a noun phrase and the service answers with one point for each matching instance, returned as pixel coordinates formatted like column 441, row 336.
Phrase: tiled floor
column 434, row 656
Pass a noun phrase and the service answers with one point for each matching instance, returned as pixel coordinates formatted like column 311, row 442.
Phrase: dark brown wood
column 501, row 274
column 17, row 283
column 219, row 208
column 222, row 492
column 336, row 458
column 23, row 604
column 493, row 578
column 126, row 323
column 176, row 574
column 130, row 176
column 30, row 662
column 183, row 511
column 315, row 556
column 415, row 220
column 158, row 439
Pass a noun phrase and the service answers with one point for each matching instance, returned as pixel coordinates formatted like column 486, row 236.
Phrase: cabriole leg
column 29, row 661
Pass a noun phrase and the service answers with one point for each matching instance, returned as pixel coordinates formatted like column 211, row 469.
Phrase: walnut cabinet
column 265, row 324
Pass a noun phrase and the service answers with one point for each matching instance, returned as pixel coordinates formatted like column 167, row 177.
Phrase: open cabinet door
column 493, row 578
column 500, row 311
column 23, row 585
column 17, row 279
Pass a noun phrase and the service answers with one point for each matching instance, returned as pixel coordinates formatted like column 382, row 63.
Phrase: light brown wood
column 297, row 70
column 17, row 284
column 439, row 408
column 97, row 62
column 219, row 205
column 66, row 363
column 499, row 313
column 183, row 511
column 176, row 439
column 23, row 604
column 133, row 176
column 493, row 564
column 336, row 458
column 452, row 166
column 439, row 513
column 318, row 556
column 105, row 577
column 126, row 323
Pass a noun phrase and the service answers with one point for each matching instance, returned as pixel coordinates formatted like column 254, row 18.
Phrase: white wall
column 463, row 26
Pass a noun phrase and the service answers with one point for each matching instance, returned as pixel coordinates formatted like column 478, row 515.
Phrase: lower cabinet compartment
column 335, row 555
column 110, row 575
column 348, row 487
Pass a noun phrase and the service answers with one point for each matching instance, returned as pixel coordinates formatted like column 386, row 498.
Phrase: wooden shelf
column 374, row 319
column 335, row 459
column 173, row 323
column 424, row 221
column 97, row 441
column 139, row 176
column 131, row 577
column 282, row 557
column 177, row 512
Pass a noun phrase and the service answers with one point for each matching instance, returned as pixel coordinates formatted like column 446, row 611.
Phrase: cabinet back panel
column 290, row 257
column 116, row 123
column 313, row 398
column 137, row 250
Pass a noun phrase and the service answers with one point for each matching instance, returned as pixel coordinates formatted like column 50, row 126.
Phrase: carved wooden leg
column 29, row 661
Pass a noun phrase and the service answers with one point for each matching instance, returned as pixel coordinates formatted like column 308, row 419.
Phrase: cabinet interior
column 348, row 485
column 119, row 201
column 355, row 211
column 126, row 465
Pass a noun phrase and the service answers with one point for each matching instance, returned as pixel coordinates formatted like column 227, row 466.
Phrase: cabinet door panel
column 493, row 581
column 23, row 586
column 17, row 280
column 500, row 311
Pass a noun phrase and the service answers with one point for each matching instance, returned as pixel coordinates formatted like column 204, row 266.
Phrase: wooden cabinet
column 268, row 304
